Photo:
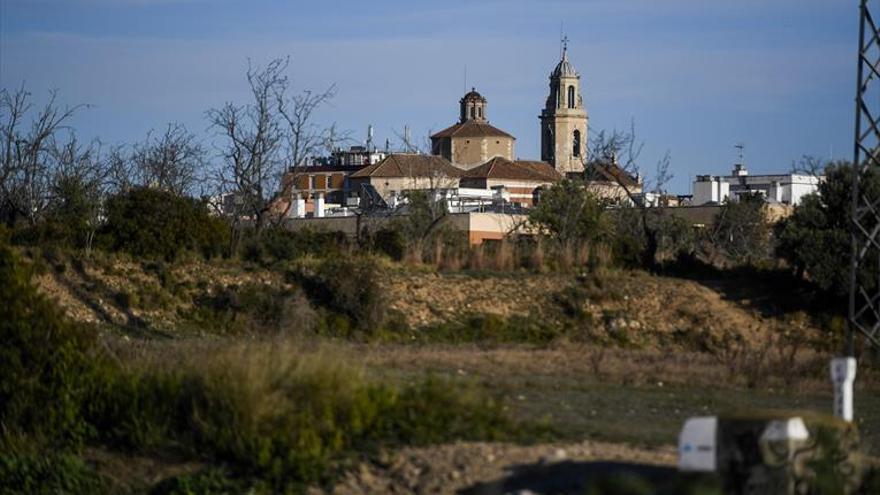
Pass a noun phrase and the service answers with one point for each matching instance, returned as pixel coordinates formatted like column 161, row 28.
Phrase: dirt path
column 486, row 468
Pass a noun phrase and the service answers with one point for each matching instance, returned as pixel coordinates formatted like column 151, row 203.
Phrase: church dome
column 473, row 106
column 564, row 67
column 473, row 95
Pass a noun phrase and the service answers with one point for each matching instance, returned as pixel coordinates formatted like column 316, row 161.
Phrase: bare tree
column 252, row 141
column 333, row 138
column 25, row 174
column 170, row 161
column 304, row 138
column 269, row 137
column 121, row 172
column 615, row 157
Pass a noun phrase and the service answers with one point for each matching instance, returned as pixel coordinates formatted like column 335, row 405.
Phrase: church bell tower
column 564, row 119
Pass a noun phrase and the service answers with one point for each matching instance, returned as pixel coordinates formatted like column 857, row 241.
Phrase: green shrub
column 286, row 418
column 44, row 369
column 348, row 287
column 252, row 308
column 583, row 220
column 390, row 241
column 210, row 481
column 152, row 223
column 280, row 244
column 815, row 239
column 741, row 230
column 47, row 472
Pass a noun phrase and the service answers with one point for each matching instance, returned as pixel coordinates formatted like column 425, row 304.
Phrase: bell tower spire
column 472, row 106
column 564, row 118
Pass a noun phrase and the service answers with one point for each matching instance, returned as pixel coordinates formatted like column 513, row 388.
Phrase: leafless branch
column 25, row 169
column 170, row 161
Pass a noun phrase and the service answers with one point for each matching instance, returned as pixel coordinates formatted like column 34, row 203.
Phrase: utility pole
column 864, row 295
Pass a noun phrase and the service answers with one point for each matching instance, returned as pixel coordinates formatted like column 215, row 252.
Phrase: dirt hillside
column 626, row 308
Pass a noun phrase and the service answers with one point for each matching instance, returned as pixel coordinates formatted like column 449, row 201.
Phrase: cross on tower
column 564, row 42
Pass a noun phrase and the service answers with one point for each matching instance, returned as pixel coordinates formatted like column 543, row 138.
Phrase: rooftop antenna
column 406, row 142
column 740, row 147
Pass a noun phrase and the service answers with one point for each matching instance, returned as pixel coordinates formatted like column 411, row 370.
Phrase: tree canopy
column 815, row 240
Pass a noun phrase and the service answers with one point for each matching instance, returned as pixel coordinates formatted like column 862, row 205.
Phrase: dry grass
column 605, row 364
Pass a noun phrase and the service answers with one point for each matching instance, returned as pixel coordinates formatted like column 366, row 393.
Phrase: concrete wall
column 385, row 185
column 479, row 226
column 713, row 190
column 705, row 215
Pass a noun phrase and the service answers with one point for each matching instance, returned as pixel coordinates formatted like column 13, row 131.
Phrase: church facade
column 473, row 141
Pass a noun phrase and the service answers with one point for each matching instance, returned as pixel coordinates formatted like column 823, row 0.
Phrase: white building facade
column 775, row 188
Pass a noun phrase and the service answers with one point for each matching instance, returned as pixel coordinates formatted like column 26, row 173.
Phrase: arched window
column 472, row 112
column 576, row 143
column 480, row 112
column 571, row 97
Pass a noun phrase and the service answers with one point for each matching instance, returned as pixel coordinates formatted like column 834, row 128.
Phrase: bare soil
column 494, row 468
column 624, row 308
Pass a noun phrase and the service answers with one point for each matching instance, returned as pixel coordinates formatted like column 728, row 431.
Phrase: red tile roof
column 409, row 165
column 502, row 168
column 472, row 128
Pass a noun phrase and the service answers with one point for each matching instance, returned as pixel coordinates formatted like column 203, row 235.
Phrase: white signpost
column 843, row 374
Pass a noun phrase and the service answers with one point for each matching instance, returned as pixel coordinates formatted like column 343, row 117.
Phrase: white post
column 843, row 374
column 319, row 205
column 298, row 208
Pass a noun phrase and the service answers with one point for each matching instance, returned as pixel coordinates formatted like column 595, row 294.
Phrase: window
column 472, row 112
column 571, row 97
column 576, row 143
column 312, row 182
column 480, row 112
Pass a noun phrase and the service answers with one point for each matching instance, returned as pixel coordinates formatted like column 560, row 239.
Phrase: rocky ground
column 484, row 468
column 628, row 308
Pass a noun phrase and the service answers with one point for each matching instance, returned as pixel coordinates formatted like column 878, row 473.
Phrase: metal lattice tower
column 864, row 298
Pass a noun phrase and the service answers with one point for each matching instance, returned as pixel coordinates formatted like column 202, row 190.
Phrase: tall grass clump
column 276, row 414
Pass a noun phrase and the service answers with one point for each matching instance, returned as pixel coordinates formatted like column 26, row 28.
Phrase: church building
column 472, row 141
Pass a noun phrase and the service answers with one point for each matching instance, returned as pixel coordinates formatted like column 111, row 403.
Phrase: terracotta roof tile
column 471, row 128
column 502, row 168
column 409, row 165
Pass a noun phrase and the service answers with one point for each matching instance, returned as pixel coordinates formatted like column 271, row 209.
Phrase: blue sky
column 696, row 76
